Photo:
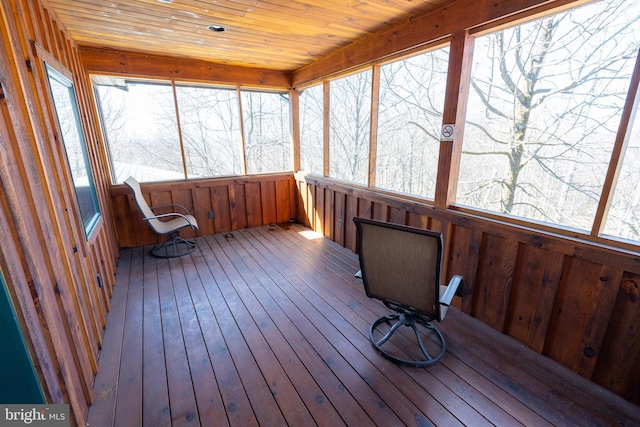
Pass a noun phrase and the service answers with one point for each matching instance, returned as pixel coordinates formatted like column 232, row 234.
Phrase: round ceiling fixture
column 216, row 28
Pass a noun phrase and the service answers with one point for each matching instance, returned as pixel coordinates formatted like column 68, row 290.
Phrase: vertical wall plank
column 202, row 199
column 221, row 208
column 301, row 211
column 379, row 211
column 122, row 216
column 397, row 216
column 419, row 221
column 329, row 206
column 319, row 209
column 283, row 200
column 493, row 281
column 238, row 207
column 294, row 199
column 310, row 207
column 254, row 204
column 339, row 221
column 351, row 210
column 102, row 303
column 269, row 202
column 364, row 208
column 618, row 365
column 597, row 322
column 532, row 295
column 582, row 309
column 464, row 252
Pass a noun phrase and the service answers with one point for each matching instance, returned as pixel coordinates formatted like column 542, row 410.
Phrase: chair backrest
column 147, row 213
column 401, row 265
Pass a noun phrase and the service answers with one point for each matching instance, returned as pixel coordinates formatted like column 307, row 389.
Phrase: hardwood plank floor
column 267, row 326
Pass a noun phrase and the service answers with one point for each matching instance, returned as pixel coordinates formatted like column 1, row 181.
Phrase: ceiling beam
column 428, row 29
column 103, row 61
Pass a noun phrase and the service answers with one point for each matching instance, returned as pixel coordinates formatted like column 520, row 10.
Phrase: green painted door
column 18, row 378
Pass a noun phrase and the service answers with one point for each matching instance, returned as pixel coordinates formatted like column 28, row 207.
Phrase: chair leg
column 174, row 246
column 421, row 329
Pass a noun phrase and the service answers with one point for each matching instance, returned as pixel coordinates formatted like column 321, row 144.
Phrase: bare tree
column 210, row 125
column 349, row 124
column 410, row 115
column 267, row 132
column 140, row 126
column 546, row 102
column 311, row 129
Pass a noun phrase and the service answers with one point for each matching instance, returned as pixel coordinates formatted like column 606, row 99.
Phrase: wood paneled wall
column 59, row 282
column 219, row 205
column 574, row 301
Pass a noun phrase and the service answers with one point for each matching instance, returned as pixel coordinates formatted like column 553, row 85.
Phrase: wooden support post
column 294, row 95
column 242, row 133
column 373, row 123
column 455, row 107
column 619, row 148
column 326, row 128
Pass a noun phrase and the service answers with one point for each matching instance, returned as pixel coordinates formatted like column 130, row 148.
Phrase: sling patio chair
column 400, row 266
column 167, row 223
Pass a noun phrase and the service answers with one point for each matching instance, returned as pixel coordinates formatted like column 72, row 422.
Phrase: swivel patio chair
column 400, row 266
column 167, row 223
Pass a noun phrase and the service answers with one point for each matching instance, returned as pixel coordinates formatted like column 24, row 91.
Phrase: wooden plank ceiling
column 275, row 34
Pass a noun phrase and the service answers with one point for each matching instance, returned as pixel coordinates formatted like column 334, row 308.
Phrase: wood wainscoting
column 236, row 203
column 572, row 300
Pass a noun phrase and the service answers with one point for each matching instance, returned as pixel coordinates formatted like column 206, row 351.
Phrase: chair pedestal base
column 175, row 246
column 424, row 332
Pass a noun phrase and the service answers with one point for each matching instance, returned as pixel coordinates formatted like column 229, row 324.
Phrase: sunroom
column 508, row 127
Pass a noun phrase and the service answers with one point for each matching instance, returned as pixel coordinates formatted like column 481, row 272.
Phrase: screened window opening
column 211, row 133
column 203, row 131
column 349, row 124
column 311, row 129
column 623, row 220
column 267, row 131
column 66, row 109
column 545, row 103
column 141, row 130
column 409, row 120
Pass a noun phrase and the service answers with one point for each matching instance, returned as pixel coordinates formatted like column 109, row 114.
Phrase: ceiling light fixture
column 216, row 28
column 165, row 1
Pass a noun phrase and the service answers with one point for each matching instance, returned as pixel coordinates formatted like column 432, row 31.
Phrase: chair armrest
column 451, row 290
column 186, row 211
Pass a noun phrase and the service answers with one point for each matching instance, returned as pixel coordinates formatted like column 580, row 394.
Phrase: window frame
column 175, row 84
column 455, row 99
column 55, row 71
column 594, row 233
column 241, row 149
